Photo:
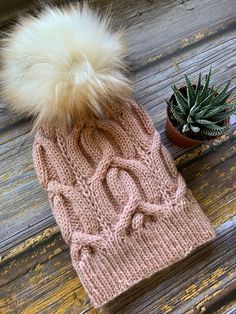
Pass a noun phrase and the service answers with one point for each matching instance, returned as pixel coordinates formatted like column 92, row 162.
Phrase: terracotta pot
column 174, row 135
column 177, row 138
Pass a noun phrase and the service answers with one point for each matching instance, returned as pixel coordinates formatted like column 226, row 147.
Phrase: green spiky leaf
column 194, row 128
column 185, row 128
column 201, row 108
column 195, row 108
column 214, row 110
column 222, row 116
column 214, row 132
column 206, row 105
column 214, row 127
column 204, row 122
column 199, row 83
column 182, row 102
column 176, row 112
column 224, row 94
column 190, row 92
column 205, row 89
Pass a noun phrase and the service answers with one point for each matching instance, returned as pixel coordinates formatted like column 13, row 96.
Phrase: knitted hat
column 115, row 192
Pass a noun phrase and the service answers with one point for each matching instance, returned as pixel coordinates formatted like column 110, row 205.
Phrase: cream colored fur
column 63, row 63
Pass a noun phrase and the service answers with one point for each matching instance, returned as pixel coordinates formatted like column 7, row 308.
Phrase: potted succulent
column 198, row 112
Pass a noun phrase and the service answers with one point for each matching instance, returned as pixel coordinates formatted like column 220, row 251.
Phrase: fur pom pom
column 62, row 64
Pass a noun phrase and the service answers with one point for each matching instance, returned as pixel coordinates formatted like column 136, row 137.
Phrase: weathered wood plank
column 22, row 215
column 11, row 9
column 156, row 28
column 43, row 281
column 221, row 300
column 187, row 286
column 229, row 308
column 153, row 84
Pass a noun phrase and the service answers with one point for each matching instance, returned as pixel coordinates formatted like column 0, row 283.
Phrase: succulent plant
column 201, row 109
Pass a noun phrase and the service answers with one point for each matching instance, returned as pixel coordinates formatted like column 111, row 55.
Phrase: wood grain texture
column 166, row 39
column 44, row 282
column 157, row 29
column 229, row 308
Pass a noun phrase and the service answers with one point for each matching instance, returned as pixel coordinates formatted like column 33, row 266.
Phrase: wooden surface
column 166, row 38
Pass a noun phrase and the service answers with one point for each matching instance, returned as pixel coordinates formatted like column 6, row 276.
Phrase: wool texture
column 119, row 201
column 62, row 64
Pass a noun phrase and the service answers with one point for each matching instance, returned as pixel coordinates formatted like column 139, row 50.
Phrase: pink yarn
column 119, row 200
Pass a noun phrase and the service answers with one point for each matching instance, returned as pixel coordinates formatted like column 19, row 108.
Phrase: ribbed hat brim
column 108, row 273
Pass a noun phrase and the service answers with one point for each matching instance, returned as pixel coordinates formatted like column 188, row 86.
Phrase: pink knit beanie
column 115, row 192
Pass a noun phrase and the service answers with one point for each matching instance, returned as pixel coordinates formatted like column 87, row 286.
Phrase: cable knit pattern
column 118, row 199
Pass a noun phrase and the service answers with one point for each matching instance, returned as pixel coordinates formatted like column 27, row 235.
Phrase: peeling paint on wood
column 29, row 243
